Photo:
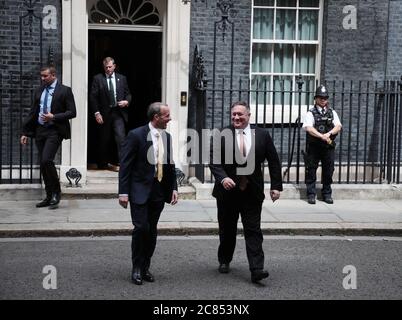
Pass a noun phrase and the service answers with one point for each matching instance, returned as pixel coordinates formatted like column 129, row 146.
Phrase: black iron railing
column 368, row 147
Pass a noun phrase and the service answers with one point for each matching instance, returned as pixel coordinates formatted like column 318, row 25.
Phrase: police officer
column 322, row 125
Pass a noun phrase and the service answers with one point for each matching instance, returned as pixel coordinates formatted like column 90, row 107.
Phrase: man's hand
column 175, row 197
column 123, row 201
column 228, row 183
column 24, row 140
column 275, row 194
column 123, row 104
column 99, row 118
column 47, row 117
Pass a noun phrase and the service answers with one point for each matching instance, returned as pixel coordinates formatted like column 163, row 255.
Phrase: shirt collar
column 154, row 131
column 112, row 75
column 52, row 85
column 246, row 130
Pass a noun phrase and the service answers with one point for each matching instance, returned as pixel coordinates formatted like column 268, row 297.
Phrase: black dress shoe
column 224, row 268
column 258, row 275
column 136, row 277
column 311, row 199
column 147, row 276
column 54, row 201
column 328, row 200
column 43, row 203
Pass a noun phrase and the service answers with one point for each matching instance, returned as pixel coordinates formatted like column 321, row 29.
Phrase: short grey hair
column 154, row 108
column 107, row 60
column 240, row 103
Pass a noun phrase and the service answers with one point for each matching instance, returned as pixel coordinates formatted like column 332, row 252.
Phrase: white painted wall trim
column 177, row 68
column 75, row 74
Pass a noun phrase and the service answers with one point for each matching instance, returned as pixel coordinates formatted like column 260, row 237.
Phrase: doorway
column 138, row 56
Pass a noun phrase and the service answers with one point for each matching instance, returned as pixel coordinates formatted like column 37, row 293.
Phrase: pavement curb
column 202, row 231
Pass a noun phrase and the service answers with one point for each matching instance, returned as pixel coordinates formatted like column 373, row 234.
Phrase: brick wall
column 394, row 61
column 205, row 27
column 355, row 54
column 21, row 59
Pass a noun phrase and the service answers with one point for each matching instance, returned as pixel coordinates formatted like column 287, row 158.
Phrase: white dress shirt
column 247, row 138
column 309, row 119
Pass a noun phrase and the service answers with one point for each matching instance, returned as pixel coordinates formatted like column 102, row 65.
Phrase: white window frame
column 287, row 114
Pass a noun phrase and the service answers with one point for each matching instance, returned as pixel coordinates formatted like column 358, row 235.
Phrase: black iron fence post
column 390, row 130
column 200, row 86
column 300, row 83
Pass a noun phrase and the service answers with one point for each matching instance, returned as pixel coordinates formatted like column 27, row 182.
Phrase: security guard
column 322, row 125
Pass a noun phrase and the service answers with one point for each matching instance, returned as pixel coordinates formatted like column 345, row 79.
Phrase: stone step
column 109, row 191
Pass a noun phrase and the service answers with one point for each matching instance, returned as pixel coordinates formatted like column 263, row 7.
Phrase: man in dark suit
column 48, row 122
column 109, row 100
column 147, row 179
column 237, row 154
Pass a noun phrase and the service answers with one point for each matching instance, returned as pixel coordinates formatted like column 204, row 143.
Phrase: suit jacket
column 136, row 174
column 99, row 95
column 62, row 107
column 262, row 149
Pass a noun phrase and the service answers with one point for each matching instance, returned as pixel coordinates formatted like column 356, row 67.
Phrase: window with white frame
column 285, row 43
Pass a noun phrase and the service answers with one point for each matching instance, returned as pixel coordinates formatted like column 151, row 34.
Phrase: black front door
column 138, row 55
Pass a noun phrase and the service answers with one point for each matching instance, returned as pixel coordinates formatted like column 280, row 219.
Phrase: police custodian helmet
column 322, row 92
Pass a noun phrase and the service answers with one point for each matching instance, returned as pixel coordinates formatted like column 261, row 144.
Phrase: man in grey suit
column 109, row 101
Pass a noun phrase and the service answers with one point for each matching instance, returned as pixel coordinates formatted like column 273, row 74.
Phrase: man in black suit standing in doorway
column 237, row 154
column 48, row 122
column 109, row 101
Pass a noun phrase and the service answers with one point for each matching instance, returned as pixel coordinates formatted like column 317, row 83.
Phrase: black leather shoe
column 136, row 277
column 43, row 203
column 224, row 268
column 328, row 200
column 311, row 199
column 54, row 201
column 258, row 275
column 147, row 276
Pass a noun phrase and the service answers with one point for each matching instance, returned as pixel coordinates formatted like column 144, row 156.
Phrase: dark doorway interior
column 138, row 55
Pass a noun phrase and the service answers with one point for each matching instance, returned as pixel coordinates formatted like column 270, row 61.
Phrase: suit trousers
column 315, row 154
column 113, row 126
column 48, row 142
column 145, row 218
column 240, row 203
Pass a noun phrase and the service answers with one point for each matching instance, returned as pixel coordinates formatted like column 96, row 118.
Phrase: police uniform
column 323, row 120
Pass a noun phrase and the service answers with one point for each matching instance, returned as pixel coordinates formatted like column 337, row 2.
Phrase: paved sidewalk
column 99, row 217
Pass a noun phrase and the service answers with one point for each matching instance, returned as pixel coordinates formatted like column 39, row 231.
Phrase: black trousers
column 113, row 126
column 48, row 142
column 315, row 154
column 145, row 218
column 228, row 215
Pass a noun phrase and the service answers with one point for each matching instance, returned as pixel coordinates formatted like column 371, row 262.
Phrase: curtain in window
column 263, row 24
column 282, row 86
column 261, row 85
column 305, row 58
column 283, row 58
column 261, row 57
column 286, row 3
column 308, row 25
column 264, row 3
column 285, row 24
